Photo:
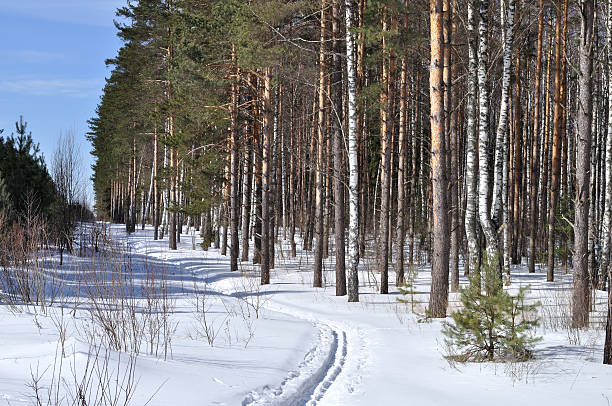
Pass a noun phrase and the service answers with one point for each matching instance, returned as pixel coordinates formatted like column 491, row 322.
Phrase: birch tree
column 353, row 158
column 471, row 171
column 486, row 223
column 607, row 214
column 501, row 139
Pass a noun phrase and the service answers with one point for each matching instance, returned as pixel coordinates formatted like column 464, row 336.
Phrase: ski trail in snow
column 309, row 382
column 338, row 345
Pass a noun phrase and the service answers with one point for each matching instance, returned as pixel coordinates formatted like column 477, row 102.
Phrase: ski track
column 310, row 381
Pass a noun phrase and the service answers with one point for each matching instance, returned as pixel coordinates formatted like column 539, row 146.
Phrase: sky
column 52, row 68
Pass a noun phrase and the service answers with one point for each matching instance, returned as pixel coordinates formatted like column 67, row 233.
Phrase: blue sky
column 52, row 69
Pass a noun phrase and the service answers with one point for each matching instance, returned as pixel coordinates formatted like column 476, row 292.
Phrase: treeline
column 465, row 131
column 33, row 201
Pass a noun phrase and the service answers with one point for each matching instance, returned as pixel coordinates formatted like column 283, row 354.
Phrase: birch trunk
column 247, row 181
column 487, row 225
column 607, row 214
column 471, row 172
column 234, row 169
column 501, row 143
column 155, row 189
column 353, row 158
column 401, row 180
column 265, row 179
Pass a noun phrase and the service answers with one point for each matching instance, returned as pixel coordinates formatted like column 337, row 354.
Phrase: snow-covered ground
column 286, row 343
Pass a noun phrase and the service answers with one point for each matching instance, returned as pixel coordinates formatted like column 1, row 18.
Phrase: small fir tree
column 408, row 289
column 493, row 325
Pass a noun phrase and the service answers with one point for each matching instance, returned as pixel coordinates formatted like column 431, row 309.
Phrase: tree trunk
column 535, row 147
column 438, row 299
column 471, row 171
column 319, row 174
column 607, row 359
column 580, row 304
column 501, row 143
column 556, row 149
column 155, row 189
column 337, row 112
column 172, row 198
column 385, row 169
column 265, row 178
column 234, row 172
column 353, row 158
column 401, row 180
column 607, row 213
column 247, row 182
column 452, row 150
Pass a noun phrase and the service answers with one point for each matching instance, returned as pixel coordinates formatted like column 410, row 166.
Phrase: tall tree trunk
column 234, row 170
column 487, row 225
column 401, row 179
column 172, row 196
column 471, row 168
column 438, row 299
column 535, row 147
column 257, row 154
column 385, row 168
column 319, row 174
column 247, row 182
column 353, row 159
column 607, row 358
column 517, row 167
column 155, row 188
column 274, row 194
column 607, row 213
column 265, row 178
column 556, row 148
column 452, row 150
column 580, row 304
column 296, row 152
column 501, row 143
column 337, row 113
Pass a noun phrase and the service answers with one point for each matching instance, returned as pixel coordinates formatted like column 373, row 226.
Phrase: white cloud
column 78, row 88
column 34, row 56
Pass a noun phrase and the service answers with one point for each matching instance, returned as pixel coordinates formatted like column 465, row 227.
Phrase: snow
column 307, row 347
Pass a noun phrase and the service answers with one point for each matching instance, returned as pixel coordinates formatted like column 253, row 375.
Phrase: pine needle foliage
column 492, row 325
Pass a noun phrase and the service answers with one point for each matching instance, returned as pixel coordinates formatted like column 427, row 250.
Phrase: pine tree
column 6, row 203
column 494, row 325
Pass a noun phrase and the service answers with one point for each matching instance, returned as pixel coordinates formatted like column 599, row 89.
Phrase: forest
column 455, row 133
column 306, row 203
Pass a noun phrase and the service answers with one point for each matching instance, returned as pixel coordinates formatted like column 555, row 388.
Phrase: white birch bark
column 353, row 237
column 483, row 132
column 501, row 142
column 166, row 198
column 607, row 214
column 471, row 186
